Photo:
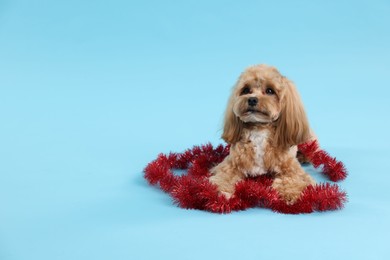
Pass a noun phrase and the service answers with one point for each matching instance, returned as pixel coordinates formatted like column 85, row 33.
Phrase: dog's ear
column 233, row 126
column 292, row 126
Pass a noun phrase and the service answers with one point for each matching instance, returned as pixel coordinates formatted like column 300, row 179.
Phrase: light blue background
column 91, row 91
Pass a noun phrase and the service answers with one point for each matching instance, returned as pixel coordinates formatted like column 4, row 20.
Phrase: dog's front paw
column 221, row 186
column 227, row 195
column 289, row 191
column 290, row 198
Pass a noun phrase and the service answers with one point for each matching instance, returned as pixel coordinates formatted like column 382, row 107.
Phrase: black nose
column 252, row 101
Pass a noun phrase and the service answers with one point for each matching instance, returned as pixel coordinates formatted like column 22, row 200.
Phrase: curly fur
column 264, row 122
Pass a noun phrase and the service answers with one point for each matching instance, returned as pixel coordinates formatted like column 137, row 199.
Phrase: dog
column 264, row 122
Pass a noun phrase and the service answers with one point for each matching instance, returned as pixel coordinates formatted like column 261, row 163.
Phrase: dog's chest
column 258, row 141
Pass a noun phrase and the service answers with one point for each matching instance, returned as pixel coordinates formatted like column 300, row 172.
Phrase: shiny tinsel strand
column 194, row 191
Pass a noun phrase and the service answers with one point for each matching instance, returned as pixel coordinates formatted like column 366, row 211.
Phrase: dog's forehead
column 261, row 74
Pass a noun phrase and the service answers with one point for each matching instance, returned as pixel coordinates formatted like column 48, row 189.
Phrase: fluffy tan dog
column 264, row 122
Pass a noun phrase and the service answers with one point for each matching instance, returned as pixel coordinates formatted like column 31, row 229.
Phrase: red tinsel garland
column 332, row 168
column 194, row 191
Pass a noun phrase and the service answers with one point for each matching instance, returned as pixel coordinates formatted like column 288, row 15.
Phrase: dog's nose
column 252, row 101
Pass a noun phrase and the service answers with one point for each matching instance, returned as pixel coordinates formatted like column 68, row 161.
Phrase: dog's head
column 263, row 96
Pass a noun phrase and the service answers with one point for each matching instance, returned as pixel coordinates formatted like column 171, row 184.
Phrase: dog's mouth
column 255, row 111
column 253, row 115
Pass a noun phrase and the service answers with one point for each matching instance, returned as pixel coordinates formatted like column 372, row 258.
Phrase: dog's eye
column 270, row 91
column 245, row 90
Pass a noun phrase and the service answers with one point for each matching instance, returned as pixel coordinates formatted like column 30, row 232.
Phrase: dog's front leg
column 291, row 180
column 225, row 177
